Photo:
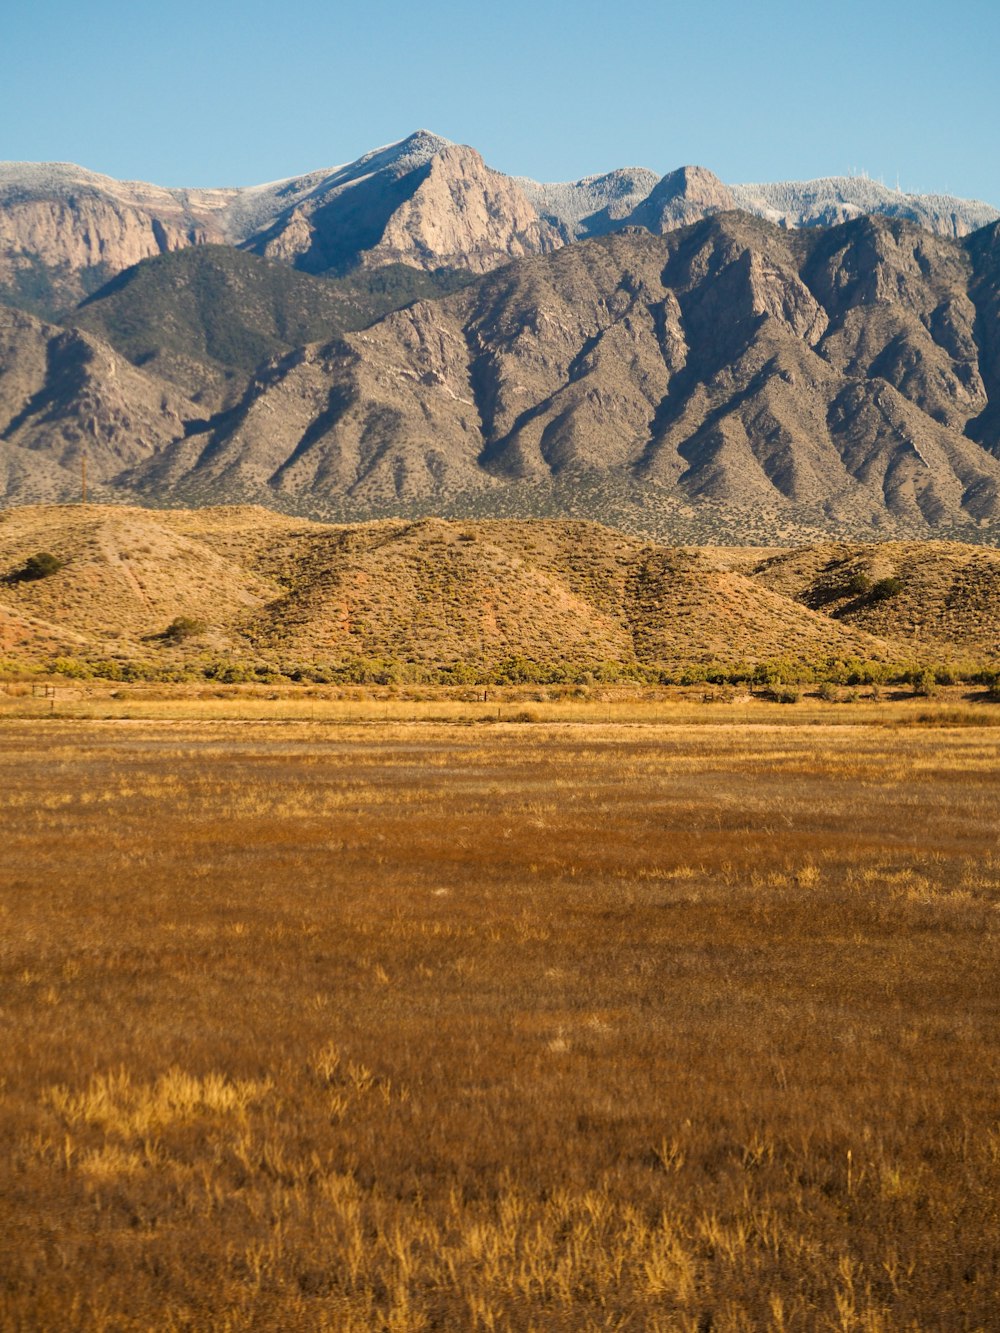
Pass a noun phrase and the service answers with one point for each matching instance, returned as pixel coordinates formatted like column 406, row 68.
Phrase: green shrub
column 857, row 585
column 886, row 588
column 39, row 566
column 72, row 667
column 924, row 682
column 183, row 627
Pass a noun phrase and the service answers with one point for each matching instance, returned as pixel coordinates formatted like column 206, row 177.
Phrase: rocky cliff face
column 463, row 215
column 64, row 230
column 430, row 205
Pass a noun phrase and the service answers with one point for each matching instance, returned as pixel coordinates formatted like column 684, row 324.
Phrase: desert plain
column 357, row 1014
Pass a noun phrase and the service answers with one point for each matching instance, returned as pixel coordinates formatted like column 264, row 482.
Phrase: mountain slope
column 65, row 394
column 210, row 314
column 730, row 380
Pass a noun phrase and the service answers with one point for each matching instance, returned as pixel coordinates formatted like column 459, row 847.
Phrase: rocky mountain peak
column 402, row 157
column 681, row 197
column 463, row 215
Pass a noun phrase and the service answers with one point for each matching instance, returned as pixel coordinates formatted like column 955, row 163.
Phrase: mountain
column 834, row 199
column 592, row 206
column 423, row 202
column 64, row 230
column 66, row 395
column 431, row 594
column 829, row 375
column 730, row 380
column 206, row 317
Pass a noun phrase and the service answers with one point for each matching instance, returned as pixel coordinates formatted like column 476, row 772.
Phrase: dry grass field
column 321, row 1025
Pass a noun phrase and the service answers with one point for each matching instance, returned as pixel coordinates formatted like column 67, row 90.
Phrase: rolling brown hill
column 431, row 594
column 948, row 598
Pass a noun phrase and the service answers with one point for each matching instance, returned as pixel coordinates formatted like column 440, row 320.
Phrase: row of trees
column 518, row 670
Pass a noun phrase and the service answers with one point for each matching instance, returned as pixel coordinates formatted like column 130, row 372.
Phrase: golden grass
column 619, row 706
column 325, row 1024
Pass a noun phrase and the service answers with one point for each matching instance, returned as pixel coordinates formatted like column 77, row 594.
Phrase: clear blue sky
column 218, row 93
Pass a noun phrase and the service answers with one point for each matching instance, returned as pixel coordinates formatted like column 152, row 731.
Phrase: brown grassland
column 353, row 1022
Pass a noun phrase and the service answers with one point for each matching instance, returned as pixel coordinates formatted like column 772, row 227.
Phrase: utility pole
column 83, row 475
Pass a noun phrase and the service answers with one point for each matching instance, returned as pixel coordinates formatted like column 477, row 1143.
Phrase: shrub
column 857, row 585
column 886, row 588
column 828, row 692
column 73, row 667
column 184, row 627
column 39, row 566
column 924, row 682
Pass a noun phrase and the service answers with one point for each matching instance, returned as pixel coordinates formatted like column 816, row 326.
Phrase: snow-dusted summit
column 424, row 201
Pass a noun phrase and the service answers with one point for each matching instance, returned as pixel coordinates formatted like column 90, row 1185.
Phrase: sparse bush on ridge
column 857, row 585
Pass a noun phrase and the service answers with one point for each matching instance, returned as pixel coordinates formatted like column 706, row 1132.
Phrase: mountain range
column 417, row 333
column 423, row 201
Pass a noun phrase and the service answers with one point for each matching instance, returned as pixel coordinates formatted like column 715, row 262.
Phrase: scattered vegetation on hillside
column 244, row 595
